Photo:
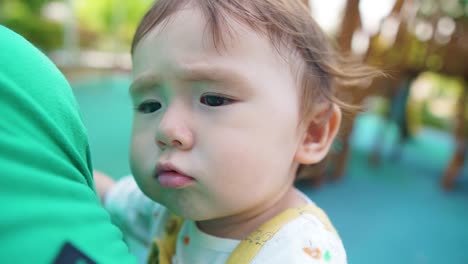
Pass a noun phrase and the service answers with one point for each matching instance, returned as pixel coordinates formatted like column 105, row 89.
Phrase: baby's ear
column 317, row 135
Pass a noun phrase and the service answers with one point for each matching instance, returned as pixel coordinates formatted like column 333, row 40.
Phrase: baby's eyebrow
column 144, row 81
column 206, row 72
column 213, row 72
column 192, row 72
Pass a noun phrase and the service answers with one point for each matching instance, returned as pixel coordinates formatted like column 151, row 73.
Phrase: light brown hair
column 287, row 23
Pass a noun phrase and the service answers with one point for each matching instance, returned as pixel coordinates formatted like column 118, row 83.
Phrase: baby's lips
column 168, row 167
column 172, row 179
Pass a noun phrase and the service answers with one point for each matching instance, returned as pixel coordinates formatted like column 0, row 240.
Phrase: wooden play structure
column 407, row 44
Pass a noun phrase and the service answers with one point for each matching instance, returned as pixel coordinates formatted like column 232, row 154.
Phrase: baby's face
column 214, row 134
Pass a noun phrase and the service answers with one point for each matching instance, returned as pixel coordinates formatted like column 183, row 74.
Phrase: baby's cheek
column 142, row 157
column 239, row 165
column 136, row 165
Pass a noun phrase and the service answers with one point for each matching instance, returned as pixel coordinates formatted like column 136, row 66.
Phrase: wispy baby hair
column 287, row 23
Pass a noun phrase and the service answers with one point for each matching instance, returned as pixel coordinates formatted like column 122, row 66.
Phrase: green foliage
column 103, row 24
column 452, row 8
column 44, row 34
column 24, row 17
column 442, row 87
column 430, row 120
column 111, row 20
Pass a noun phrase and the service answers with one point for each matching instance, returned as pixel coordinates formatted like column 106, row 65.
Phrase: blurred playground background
column 396, row 184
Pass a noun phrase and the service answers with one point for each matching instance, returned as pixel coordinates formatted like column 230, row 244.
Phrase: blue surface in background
column 395, row 213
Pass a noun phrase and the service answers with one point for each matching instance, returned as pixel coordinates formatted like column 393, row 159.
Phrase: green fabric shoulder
column 46, row 187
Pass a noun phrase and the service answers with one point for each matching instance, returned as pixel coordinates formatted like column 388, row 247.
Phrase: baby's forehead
column 186, row 36
column 191, row 21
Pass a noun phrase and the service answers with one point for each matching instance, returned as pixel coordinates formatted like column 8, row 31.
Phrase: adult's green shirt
column 47, row 198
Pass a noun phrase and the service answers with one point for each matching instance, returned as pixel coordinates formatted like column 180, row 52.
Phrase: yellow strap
column 163, row 250
column 249, row 247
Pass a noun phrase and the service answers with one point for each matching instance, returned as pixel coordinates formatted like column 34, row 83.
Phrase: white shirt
column 305, row 239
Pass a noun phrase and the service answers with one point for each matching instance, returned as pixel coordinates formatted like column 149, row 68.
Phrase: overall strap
column 249, row 247
column 163, row 249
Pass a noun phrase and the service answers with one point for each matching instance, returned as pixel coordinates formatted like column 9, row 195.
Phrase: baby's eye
column 215, row 100
column 148, row 107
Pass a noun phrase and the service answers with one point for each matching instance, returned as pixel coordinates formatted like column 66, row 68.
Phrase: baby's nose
column 180, row 138
column 174, row 143
column 174, row 130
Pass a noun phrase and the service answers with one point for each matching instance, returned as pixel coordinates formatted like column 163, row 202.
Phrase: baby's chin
column 190, row 212
column 194, row 212
column 186, row 203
